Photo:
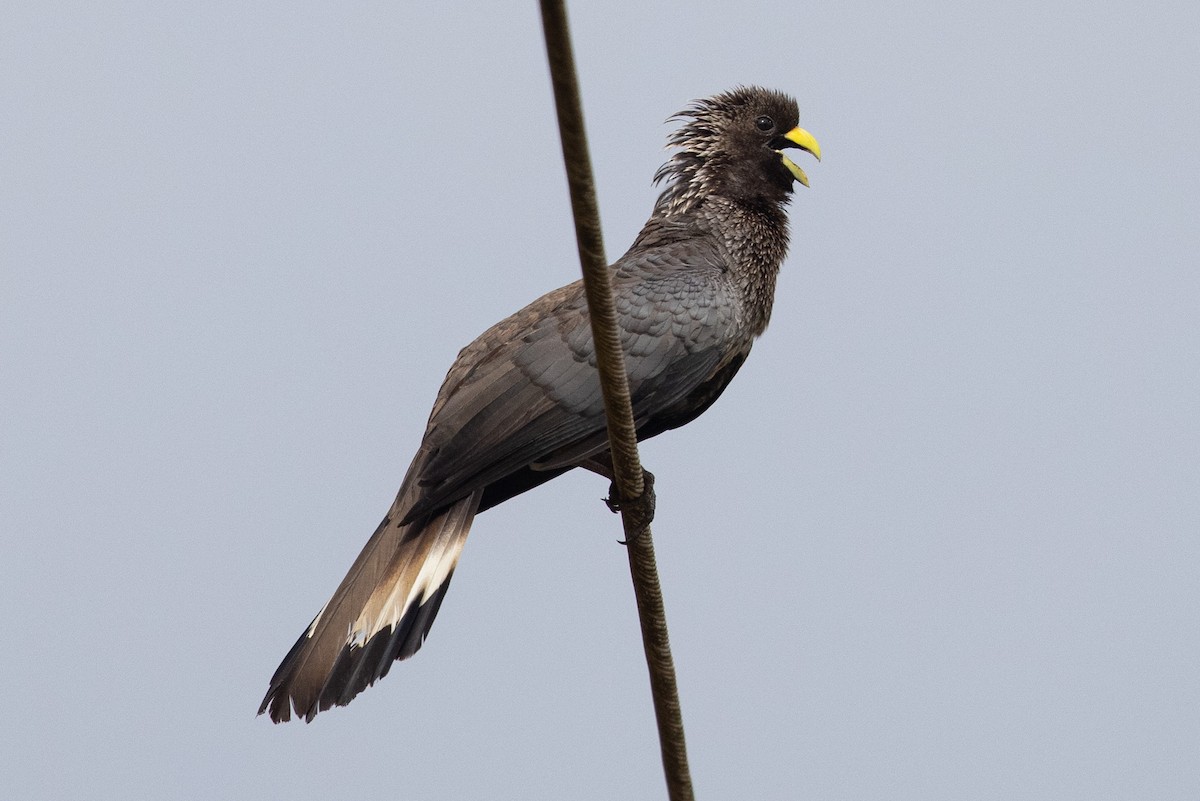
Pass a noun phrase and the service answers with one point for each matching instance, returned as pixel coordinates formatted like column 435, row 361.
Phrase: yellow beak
column 805, row 141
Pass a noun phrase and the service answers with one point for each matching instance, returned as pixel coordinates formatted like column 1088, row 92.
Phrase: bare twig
column 635, row 488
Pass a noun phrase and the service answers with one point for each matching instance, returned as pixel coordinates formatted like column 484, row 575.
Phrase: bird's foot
column 639, row 509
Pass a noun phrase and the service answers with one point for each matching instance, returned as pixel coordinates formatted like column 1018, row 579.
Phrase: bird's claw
column 640, row 508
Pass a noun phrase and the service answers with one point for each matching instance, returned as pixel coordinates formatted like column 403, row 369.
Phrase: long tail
column 381, row 612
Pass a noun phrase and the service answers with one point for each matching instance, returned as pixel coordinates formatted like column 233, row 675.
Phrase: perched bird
column 522, row 404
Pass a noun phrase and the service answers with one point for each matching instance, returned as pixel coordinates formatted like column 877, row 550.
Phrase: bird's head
column 732, row 145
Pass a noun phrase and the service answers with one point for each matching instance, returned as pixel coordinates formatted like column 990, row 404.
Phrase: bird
column 522, row 403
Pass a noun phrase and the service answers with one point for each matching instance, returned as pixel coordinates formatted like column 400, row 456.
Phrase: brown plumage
column 521, row 404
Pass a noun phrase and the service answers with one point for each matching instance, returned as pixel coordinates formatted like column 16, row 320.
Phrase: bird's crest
column 690, row 172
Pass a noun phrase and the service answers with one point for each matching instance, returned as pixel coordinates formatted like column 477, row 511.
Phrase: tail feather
column 381, row 612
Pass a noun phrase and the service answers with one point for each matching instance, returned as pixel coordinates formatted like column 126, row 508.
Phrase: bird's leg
column 638, row 513
column 600, row 464
column 642, row 507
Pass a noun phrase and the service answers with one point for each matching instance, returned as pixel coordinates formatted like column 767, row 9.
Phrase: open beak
column 798, row 137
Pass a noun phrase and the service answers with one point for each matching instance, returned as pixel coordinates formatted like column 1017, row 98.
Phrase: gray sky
column 940, row 540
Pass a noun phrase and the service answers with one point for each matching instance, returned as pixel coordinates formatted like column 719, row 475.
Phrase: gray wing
column 526, row 392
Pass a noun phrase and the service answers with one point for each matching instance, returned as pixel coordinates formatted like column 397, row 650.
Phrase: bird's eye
column 764, row 123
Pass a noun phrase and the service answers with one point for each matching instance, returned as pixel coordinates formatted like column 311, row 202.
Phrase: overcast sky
column 940, row 539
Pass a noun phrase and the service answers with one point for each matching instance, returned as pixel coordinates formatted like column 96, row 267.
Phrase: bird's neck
column 756, row 239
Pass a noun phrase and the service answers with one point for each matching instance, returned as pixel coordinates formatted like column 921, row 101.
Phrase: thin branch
column 635, row 488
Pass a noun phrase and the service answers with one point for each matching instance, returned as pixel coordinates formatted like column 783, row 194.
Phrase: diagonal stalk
column 635, row 492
